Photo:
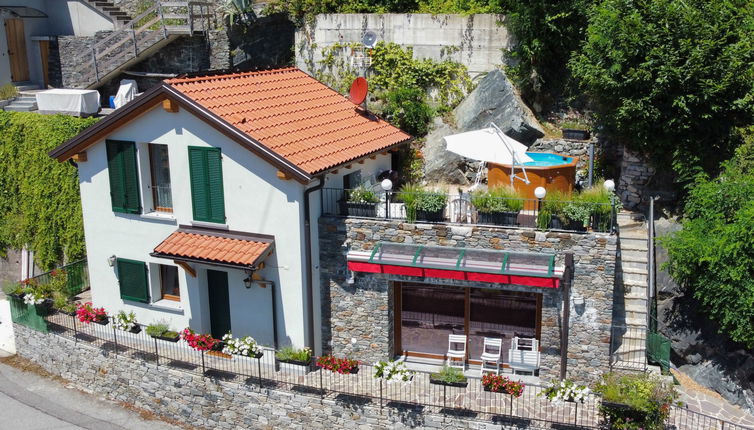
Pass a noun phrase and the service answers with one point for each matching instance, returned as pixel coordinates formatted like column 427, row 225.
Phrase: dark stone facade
column 358, row 318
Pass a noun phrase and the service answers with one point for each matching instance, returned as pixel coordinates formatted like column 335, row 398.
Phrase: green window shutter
column 205, row 169
column 124, row 176
column 132, row 276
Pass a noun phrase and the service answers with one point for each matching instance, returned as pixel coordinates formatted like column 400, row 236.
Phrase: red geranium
column 502, row 384
column 87, row 313
column 337, row 365
column 200, row 342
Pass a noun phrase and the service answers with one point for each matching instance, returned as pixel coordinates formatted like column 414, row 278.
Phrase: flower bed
column 199, row 342
column 338, row 365
column 502, row 384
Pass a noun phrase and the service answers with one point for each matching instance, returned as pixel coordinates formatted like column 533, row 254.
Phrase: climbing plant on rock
column 40, row 206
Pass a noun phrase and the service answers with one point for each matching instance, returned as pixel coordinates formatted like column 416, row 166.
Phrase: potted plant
column 87, row 313
column 245, row 346
column 362, row 201
column 502, row 384
column 409, row 195
column 69, row 309
column 126, row 322
column 449, row 376
column 198, row 341
column 499, row 206
column 334, row 364
column 575, row 127
column 577, row 214
column 550, row 213
column 634, row 401
column 15, row 290
column 294, row 360
column 601, row 210
column 393, row 371
column 161, row 330
column 565, row 391
column 430, row 205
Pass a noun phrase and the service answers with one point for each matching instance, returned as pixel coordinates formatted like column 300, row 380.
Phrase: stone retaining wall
column 570, row 148
column 636, row 173
column 204, row 402
column 358, row 318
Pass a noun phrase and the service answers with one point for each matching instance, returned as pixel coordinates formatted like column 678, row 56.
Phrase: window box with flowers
column 343, row 366
column 244, row 346
column 126, row 322
column 393, row 371
column 362, row 201
column 565, row 391
column 87, row 313
column 635, row 401
column 199, row 341
column 502, row 384
column 290, row 359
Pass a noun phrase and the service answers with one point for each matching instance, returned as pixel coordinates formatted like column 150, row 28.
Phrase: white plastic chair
column 524, row 355
column 491, row 352
column 456, row 354
column 525, row 344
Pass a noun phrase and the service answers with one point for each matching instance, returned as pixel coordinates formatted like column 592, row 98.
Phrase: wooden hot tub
column 549, row 170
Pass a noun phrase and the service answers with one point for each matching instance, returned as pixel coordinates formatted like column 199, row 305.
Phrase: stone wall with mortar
column 570, row 148
column 203, row 402
column 635, row 177
column 358, row 318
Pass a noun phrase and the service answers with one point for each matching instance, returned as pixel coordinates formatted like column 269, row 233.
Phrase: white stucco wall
column 256, row 201
column 76, row 17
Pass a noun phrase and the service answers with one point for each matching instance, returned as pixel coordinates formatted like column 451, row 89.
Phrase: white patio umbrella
column 489, row 145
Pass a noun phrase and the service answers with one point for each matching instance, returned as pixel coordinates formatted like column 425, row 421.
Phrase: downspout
column 308, row 261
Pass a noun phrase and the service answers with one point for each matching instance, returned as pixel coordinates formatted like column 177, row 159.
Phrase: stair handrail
column 651, row 296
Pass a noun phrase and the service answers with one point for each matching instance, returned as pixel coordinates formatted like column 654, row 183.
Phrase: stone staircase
column 116, row 14
column 26, row 100
column 630, row 337
column 137, row 39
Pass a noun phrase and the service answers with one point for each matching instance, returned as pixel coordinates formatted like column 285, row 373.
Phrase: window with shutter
column 205, row 169
column 132, row 276
column 124, row 176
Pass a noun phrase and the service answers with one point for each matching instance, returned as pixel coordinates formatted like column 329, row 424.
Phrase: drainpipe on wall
column 308, row 262
column 566, row 315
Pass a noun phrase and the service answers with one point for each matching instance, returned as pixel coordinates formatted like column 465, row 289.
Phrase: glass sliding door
column 501, row 315
column 428, row 315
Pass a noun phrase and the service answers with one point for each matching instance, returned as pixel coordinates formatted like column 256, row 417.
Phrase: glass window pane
column 169, row 281
column 500, row 315
column 428, row 315
column 160, row 167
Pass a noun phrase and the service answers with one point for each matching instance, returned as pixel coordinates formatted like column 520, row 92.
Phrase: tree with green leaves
column 671, row 78
column 713, row 255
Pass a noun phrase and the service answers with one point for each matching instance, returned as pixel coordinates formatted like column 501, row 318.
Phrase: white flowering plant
column 565, row 391
column 245, row 346
column 34, row 297
column 393, row 371
column 125, row 321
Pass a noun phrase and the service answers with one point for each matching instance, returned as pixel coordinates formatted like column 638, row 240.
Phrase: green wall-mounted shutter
column 132, row 276
column 205, row 169
column 124, row 176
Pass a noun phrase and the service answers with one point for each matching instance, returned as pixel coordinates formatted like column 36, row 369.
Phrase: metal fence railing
column 77, row 277
column 628, row 348
column 418, row 397
column 466, row 208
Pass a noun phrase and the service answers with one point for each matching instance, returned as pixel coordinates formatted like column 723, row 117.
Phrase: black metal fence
column 460, row 208
column 628, row 348
column 414, row 398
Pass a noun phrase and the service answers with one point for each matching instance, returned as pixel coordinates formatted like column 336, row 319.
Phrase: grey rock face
column 497, row 100
column 441, row 165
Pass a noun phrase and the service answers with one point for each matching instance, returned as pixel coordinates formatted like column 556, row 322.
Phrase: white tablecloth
column 70, row 101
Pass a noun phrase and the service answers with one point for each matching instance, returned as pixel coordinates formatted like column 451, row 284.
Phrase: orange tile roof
column 214, row 247
column 293, row 114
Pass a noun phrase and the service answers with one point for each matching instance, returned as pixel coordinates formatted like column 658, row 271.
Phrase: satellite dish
column 370, row 39
column 359, row 89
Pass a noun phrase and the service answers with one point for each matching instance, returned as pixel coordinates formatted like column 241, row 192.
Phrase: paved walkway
column 701, row 399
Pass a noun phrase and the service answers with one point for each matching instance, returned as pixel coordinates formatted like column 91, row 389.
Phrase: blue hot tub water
column 546, row 159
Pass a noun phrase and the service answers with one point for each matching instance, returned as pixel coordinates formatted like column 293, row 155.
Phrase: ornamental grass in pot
column 161, row 330
column 449, row 376
column 362, row 201
column 294, row 360
column 635, row 401
column 498, row 206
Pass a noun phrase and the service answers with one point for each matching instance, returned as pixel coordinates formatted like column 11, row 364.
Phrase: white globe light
column 609, row 185
column 386, row 184
column 540, row 192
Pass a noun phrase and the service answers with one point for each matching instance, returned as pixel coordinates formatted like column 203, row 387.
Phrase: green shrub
column 160, row 328
column 648, row 397
column 432, row 201
column 498, row 199
column 407, row 109
column 290, row 353
column 8, row 91
column 409, row 195
column 362, row 194
column 553, row 204
column 450, row 375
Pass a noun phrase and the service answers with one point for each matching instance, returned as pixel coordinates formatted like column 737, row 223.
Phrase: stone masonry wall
column 359, row 317
column 203, row 402
column 636, row 173
column 571, row 148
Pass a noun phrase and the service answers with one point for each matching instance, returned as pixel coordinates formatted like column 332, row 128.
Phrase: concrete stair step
column 630, row 244
column 634, row 256
column 636, row 315
column 634, row 278
column 21, row 108
column 637, row 323
column 27, row 87
column 634, row 266
column 635, row 270
column 634, row 233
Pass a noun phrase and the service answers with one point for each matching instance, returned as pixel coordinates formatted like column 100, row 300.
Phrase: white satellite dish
column 370, row 39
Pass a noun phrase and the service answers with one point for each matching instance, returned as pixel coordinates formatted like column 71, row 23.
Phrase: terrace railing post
column 444, row 397
column 380, row 395
column 75, row 330
column 115, row 339
column 387, row 204
column 203, row 369
column 259, row 372
column 156, row 352
column 511, row 411
column 576, row 414
column 321, row 386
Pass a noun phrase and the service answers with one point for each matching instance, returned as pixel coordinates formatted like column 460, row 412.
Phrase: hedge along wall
column 40, row 207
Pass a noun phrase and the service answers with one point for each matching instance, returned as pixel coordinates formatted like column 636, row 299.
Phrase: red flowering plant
column 338, row 365
column 502, row 384
column 87, row 313
column 200, row 342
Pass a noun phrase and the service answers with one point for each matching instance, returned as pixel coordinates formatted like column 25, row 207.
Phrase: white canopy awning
column 488, row 145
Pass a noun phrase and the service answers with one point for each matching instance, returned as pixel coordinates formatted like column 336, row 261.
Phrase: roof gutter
column 308, row 261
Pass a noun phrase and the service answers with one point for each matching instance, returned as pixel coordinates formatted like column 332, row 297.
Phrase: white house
column 199, row 204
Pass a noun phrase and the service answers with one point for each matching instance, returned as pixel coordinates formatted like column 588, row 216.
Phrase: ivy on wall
column 40, row 207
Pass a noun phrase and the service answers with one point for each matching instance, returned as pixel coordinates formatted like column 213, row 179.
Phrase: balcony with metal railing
column 470, row 208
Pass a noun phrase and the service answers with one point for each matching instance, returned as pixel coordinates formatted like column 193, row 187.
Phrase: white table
column 68, row 101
